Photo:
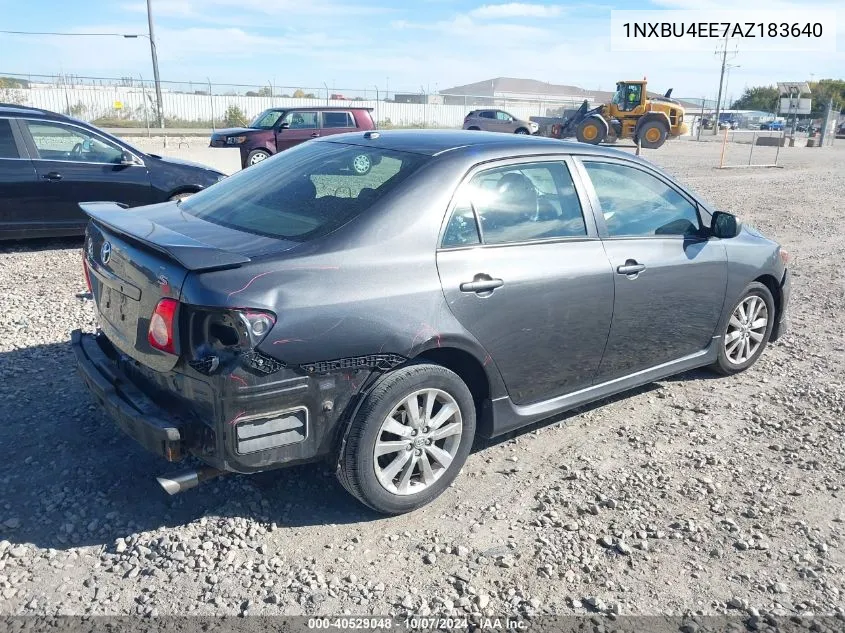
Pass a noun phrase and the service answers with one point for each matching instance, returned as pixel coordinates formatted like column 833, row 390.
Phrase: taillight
column 784, row 257
column 162, row 325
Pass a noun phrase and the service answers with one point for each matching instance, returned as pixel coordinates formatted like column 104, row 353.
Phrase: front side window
column 266, row 120
column 302, row 193
column 635, row 203
column 517, row 203
column 56, row 141
column 301, row 120
column 8, row 147
column 337, row 119
column 503, row 116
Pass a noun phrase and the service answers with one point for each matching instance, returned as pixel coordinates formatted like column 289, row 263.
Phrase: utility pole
column 159, row 104
column 721, row 82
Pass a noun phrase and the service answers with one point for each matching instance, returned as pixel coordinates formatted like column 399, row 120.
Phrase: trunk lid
column 137, row 258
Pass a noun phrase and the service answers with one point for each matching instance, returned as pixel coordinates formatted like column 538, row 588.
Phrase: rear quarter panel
column 370, row 288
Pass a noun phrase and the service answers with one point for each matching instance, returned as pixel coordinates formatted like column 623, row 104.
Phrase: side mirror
column 284, row 125
column 87, row 144
column 128, row 159
column 725, row 225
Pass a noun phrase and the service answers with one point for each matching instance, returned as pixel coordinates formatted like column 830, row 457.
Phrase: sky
column 403, row 45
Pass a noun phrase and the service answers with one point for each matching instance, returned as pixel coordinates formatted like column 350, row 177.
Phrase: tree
column 299, row 94
column 265, row 92
column 764, row 98
column 10, row 91
column 234, row 117
column 822, row 92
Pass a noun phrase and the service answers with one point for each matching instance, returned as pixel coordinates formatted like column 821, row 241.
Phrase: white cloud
column 515, row 10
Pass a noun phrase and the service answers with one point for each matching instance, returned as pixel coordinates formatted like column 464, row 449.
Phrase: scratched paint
column 248, row 284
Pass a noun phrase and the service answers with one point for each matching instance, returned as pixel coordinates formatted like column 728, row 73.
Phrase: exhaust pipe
column 187, row 479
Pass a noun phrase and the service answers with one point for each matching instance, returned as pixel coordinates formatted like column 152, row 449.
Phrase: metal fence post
column 753, row 140
column 781, row 139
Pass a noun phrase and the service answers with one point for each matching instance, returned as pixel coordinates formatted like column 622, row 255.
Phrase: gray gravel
column 696, row 494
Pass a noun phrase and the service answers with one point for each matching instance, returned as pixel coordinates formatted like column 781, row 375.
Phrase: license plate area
column 120, row 311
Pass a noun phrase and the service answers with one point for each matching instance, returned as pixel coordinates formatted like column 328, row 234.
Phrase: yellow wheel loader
column 631, row 114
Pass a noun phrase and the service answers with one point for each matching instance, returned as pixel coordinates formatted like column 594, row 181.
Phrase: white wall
column 99, row 101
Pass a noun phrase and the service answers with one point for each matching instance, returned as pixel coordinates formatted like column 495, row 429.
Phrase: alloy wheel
column 417, row 442
column 746, row 329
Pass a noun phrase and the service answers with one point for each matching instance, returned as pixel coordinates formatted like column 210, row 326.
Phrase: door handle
column 481, row 285
column 52, row 176
column 631, row 267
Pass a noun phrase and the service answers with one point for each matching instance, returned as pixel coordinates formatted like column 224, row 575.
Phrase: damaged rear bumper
column 133, row 412
column 238, row 424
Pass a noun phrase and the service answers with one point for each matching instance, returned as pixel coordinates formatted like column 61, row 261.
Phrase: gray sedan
column 470, row 284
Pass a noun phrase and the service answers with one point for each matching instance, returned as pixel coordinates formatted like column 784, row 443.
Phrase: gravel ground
column 695, row 494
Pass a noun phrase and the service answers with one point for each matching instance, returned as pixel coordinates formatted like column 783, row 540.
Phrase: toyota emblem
column 105, row 252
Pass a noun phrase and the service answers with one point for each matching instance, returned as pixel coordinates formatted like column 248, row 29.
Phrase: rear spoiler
column 190, row 253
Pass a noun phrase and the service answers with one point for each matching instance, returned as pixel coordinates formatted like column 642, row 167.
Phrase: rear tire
column 590, row 131
column 653, row 134
column 408, row 473
column 745, row 336
column 475, row 128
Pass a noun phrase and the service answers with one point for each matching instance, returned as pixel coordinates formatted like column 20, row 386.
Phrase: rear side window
column 8, row 147
column 303, row 193
column 517, row 203
column 301, row 120
column 487, row 114
column 337, row 119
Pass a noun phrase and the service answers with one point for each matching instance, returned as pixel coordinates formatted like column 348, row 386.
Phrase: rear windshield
column 305, row 192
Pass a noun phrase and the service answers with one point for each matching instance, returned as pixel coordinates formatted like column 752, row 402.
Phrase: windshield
column 305, row 192
column 266, row 120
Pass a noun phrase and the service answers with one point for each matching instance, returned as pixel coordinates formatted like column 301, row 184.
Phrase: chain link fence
column 130, row 102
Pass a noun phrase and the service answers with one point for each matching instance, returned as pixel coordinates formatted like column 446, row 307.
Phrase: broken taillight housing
column 87, row 274
column 162, row 326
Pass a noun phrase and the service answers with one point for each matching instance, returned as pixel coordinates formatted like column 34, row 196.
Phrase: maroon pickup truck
column 278, row 129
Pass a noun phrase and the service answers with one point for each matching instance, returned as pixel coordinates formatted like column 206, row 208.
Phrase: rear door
column 337, row 122
column 670, row 275
column 76, row 165
column 18, row 183
column 297, row 127
column 524, row 271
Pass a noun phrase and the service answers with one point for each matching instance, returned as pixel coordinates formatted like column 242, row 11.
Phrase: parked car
column 498, row 121
column 772, row 125
column 298, row 311
column 49, row 163
column 278, row 129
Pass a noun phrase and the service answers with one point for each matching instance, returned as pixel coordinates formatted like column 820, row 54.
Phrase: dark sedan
column 49, row 163
column 470, row 283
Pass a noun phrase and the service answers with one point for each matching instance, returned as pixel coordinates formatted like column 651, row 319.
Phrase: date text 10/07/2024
column 417, row 623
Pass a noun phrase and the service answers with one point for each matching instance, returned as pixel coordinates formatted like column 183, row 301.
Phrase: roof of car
column 14, row 108
column 318, row 108
column 437, row 142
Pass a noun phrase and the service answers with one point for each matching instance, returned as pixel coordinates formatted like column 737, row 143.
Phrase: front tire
column 590, row 131
column 409, row 439
column 748, row 330
column 256, row 156
column 653, row 134
column 521, row 130
column 362, row 164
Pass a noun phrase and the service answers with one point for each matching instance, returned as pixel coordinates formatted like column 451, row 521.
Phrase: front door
column 524, row 272
column 295, row 128
column 670, row 276
column 74, row 165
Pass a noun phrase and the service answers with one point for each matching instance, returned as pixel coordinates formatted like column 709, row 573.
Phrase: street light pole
column 155, row 65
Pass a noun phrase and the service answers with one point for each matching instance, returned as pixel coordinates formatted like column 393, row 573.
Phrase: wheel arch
column 774, row 287
column 184, row 189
